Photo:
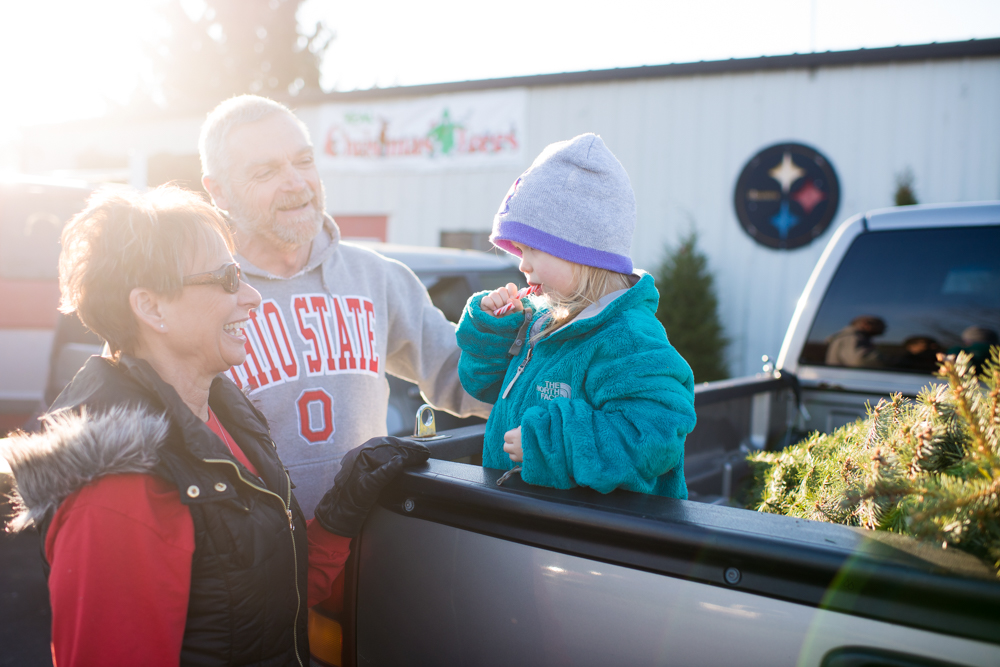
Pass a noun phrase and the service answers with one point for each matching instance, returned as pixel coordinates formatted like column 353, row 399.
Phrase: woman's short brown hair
column 123, row 240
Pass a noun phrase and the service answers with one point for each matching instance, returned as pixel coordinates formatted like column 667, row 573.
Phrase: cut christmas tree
column 928, row 468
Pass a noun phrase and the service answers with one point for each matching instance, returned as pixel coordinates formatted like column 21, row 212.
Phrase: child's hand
column 512, row 444
column 500, row 297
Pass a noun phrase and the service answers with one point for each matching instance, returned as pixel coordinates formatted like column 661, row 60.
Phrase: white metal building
column 414, row 162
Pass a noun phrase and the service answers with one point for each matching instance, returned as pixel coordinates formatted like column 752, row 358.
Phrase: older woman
column 169, row 525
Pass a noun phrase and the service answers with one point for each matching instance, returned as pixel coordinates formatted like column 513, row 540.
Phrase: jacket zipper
column 520, row 369
column 295, row 554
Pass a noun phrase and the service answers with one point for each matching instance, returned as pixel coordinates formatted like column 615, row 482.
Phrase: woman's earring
column 161, row 326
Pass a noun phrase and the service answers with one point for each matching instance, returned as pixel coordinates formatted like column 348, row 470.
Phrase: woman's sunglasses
column 228, row 276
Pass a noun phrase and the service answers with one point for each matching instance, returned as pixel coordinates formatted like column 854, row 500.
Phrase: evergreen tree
column 929, row 469
column 688, row 310
column 233, row 47
column 904, row 189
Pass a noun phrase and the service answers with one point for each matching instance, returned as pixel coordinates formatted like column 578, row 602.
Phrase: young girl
column 587, row 389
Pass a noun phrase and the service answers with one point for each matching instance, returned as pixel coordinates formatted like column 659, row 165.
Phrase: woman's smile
column 207, row 322
column 235, row 329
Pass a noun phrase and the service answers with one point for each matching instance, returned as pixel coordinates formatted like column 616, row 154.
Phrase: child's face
column 555, row 275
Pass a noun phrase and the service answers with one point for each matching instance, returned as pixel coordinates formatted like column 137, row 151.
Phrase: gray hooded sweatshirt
column 320, row 345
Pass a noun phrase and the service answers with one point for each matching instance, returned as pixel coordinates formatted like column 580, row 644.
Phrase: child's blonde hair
column 592, row 283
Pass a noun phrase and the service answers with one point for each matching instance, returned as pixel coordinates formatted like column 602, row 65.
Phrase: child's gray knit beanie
column 575, row 202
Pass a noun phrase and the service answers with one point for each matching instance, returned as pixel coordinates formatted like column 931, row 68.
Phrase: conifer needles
column 928, row 468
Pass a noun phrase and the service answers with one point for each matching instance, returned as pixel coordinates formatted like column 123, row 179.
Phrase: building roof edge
column 974, row 48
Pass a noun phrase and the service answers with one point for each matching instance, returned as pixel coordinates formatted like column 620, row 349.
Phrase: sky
column 65, row 59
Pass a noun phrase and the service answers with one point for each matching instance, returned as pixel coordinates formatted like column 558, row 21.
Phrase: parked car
column 50, row 348
column 32, row 214
column 452, row 568
column 451, row 276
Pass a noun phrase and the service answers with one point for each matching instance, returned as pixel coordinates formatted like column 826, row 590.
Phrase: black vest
column 248, row 578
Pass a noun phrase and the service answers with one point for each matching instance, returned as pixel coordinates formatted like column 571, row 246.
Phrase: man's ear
column 148, row 309
column 217, row 192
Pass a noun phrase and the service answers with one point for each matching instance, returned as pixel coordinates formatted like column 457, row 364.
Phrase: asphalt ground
column 25, row 617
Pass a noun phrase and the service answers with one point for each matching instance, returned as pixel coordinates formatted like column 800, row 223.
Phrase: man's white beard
column 290, row 235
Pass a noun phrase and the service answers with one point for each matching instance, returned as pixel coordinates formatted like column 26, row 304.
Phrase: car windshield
column 901, row 297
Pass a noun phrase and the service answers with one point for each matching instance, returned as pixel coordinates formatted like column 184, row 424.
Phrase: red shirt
column 120, row 551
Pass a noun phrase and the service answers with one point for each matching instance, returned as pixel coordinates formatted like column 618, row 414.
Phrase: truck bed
column 452, row 569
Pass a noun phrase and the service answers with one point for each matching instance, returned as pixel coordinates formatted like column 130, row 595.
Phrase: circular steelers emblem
column 786, row 196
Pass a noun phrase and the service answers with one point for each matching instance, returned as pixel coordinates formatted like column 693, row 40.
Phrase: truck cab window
column 901, row 297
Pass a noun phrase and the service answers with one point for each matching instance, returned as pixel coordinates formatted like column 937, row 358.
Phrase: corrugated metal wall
column 684, row 141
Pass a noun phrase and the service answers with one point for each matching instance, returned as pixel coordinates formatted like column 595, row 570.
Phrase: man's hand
column 364, row 472
column 512, row 444
column 500, row 297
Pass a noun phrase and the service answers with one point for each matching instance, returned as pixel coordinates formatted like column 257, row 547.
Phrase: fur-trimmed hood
column 74, row 449
column 246, row 598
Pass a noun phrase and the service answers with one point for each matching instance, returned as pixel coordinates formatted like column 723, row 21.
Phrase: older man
column 335, row 318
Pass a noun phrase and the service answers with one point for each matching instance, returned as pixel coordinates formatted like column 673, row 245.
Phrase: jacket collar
column 132, row 382
column 243, row 421
column 642, row 294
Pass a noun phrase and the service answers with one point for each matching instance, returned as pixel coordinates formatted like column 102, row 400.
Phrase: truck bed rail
column 828, row 566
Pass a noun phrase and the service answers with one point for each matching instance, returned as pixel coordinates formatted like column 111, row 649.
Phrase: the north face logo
column 552, row 390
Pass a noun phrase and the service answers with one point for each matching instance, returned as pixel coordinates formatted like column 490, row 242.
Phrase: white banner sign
column 460, row 130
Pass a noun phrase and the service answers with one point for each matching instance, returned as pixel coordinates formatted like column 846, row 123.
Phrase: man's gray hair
column 234, row 112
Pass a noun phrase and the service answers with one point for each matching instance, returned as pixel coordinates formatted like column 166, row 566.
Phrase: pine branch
column 957, row 382
column 962, row 502
column 927, row 469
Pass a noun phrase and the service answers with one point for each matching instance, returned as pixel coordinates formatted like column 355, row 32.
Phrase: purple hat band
column 507, row 231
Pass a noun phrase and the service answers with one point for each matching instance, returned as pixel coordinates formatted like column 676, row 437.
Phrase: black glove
column 364, row 472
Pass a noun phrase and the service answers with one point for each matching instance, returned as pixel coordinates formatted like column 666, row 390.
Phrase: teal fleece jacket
column 604, row 402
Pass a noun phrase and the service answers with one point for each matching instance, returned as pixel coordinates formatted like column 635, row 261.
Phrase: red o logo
column 315, row 416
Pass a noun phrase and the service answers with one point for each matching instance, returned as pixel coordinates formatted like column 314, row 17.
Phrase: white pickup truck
column 452, row 569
